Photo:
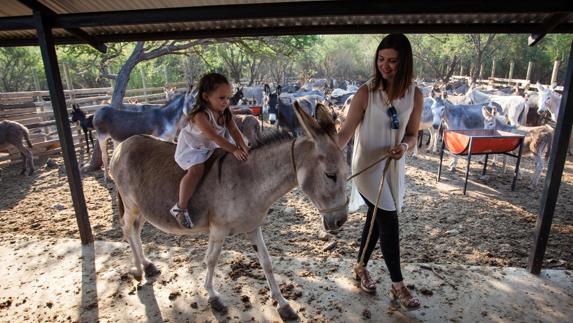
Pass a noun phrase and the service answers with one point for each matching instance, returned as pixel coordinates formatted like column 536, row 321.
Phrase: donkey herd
column 303, row 154
column 446, row 106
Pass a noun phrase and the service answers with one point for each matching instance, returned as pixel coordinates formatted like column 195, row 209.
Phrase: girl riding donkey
column 210, row 126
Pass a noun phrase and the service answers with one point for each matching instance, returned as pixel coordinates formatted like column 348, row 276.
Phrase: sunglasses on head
column 394, row 121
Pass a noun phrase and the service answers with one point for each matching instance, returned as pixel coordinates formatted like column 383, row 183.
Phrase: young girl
column 210, row 126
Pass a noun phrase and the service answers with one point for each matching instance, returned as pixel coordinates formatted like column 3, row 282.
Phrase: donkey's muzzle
column 333, row 222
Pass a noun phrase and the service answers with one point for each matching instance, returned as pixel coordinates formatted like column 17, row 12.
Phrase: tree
column 17, row 64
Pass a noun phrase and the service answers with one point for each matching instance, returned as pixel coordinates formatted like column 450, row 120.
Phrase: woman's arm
column 355, row 114
column 411, row 135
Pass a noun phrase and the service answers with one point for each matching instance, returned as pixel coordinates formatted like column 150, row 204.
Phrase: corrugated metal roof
column 127, row 20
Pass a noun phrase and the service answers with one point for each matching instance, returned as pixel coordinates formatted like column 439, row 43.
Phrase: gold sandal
column 407, row 301
column 361, row 274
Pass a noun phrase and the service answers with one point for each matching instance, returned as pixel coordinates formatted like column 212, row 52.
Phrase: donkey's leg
column 87, row 142
column 91, row 137
column 216, row 240
column 539, row 163
column 148, row 266
column 102, row 141
column 285, row 310
column 129, row 226
column 27, row 159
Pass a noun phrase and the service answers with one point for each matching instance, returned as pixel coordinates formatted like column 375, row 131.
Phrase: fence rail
column 34, row 110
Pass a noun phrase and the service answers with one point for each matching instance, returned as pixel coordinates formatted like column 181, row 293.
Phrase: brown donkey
column 147, row 180
column 12, row 133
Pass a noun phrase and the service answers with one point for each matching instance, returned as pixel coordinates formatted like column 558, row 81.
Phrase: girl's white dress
column 193, row 147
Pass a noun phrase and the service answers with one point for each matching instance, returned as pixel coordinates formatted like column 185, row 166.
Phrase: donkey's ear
column 310, row 126
column 325, row 119
column 485, row 112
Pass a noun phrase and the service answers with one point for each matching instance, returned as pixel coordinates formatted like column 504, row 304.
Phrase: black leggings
column 385, row 228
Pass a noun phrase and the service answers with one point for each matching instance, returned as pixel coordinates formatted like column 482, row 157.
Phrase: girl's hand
column 240, row 154
column 398, row 151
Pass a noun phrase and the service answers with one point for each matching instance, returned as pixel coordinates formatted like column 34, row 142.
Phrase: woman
column 384, row 117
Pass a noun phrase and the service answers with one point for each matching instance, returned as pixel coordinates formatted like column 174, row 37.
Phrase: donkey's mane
column 271, row 137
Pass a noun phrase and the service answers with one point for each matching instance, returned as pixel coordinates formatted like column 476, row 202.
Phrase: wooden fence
column 498, row 82
column 34, row 110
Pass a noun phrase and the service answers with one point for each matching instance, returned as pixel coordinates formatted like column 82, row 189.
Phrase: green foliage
column 279, row 59
column 18, row 65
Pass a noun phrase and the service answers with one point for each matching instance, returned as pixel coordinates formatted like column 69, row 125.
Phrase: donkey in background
column 85, row 122
column 147, row 180
column 536, row 141
column 12, row 133
column 120, row 124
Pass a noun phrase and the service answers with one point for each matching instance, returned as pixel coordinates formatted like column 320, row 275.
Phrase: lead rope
column 386, row 166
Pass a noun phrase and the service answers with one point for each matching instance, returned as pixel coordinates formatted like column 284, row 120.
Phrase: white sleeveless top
column 193, row 147
column 373, row 136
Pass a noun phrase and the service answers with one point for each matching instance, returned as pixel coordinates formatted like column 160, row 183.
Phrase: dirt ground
column 490, row 226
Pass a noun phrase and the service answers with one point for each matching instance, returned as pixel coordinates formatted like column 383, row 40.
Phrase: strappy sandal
column 182, row 216
column 408, row 302
column 362, row 275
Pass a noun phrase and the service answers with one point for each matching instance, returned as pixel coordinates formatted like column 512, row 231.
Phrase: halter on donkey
column 147, row 178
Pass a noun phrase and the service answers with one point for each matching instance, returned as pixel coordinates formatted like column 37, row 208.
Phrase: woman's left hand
column 396, row 152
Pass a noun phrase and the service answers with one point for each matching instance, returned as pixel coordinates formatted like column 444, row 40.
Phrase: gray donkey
column 120, row 124
column 147, row 180
column 12, row 133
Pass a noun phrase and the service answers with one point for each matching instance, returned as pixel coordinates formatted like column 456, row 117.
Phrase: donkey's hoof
column 151, row 270
column 217, row 305
column 137, row 274
column 287, row 313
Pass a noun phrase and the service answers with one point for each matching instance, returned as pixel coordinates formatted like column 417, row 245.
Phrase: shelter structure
column 47, row 23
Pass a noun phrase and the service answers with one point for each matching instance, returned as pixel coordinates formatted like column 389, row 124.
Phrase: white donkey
column 147, row 180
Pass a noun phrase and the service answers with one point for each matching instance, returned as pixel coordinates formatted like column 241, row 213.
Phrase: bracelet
column 406, row 144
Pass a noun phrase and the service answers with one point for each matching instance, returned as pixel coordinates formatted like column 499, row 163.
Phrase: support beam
column 548, row 25
column 554, row 172
column 298, row 30
column 82, row 35
column 57, row 97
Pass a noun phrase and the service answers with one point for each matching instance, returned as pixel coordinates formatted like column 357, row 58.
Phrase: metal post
column 441, row 157
column 517, row 163
column 554, row 73
column 554, row 172
column 49, row 56
column 484, row 164
column 468, row 165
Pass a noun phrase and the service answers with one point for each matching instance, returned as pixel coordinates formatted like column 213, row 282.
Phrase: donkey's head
column 492, row 120
column 77, row 114
column 321, row 169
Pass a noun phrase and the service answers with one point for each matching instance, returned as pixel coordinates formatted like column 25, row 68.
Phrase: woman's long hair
column 207, row 84
column 405, row 73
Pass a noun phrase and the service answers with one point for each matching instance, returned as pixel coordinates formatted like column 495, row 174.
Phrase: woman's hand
column 396, row 152
column 240, row 154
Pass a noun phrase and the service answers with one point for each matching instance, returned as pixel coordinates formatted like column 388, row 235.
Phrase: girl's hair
column 405, row 73
column 207, row 84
